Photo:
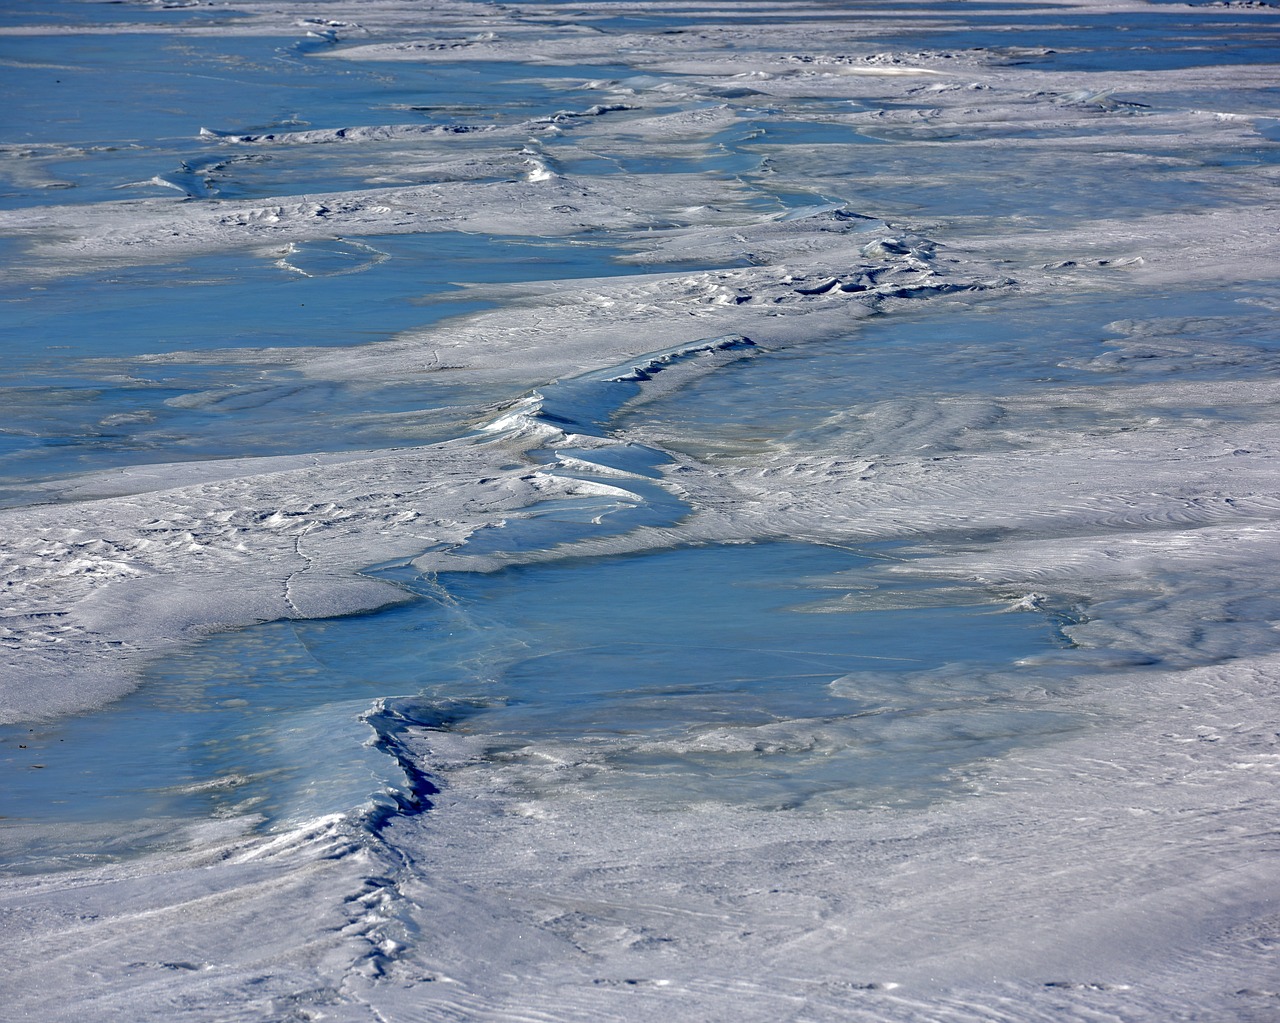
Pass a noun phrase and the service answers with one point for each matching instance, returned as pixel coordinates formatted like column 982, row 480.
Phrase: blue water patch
column 93, row 91
column 211, row 733
column 632, row 652
column 323, row 292
column 75, row 13
column 78, row 397
column 682, row 639
column 111, row 123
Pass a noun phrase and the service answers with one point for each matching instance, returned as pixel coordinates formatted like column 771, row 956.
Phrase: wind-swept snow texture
column 640, row 511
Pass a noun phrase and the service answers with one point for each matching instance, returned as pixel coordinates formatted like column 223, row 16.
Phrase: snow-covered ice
column 639, row 511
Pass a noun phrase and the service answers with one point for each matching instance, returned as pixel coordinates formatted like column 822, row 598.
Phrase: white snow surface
column 1125, row 872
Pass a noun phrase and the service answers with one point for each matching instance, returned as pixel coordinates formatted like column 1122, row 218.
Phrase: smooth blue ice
column 146, row 123
column 626, row 656
column 79, row 399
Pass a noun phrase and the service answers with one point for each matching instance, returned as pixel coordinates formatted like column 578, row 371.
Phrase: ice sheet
column 984, row 291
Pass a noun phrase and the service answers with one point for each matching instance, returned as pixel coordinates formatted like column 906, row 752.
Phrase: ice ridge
column 583, row 404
